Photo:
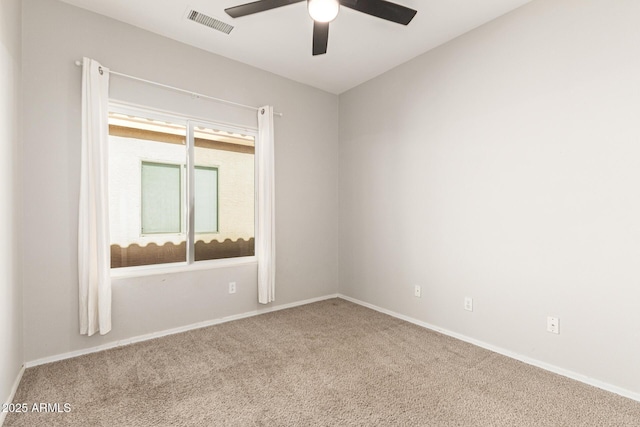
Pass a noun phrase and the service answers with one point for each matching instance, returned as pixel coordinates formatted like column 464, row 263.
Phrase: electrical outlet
column 417, row 291
column 232, row 287
column 468, row 304
column 553, row 325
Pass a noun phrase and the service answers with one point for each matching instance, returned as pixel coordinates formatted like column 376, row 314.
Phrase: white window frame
column 183, row 178
column 190, row 123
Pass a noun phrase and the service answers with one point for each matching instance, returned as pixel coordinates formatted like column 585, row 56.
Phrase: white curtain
column 266, row 243
column 93, row 232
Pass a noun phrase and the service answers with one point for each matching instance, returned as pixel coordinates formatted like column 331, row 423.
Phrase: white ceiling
column 360, row 46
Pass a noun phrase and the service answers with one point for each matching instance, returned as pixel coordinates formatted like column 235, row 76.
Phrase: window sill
column 152, row 270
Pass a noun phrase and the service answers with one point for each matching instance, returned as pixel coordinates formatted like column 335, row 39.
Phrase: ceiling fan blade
column 320, row 37
column 382, row 9
column 257, row 6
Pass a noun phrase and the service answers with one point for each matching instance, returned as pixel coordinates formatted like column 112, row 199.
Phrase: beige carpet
column 331, row 363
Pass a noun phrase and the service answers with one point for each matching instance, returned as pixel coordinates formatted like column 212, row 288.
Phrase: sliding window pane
column 224, row 194
column 146, row 191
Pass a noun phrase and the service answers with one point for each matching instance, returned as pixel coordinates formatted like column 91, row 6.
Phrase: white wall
column 54, row 36
column 505, row 166
column 11, row 354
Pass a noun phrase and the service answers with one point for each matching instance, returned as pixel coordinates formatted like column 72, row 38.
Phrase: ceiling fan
column 324, row 11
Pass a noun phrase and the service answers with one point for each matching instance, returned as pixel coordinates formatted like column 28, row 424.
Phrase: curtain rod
column 188, row 92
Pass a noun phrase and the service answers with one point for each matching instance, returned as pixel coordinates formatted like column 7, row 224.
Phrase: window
column 161, row 198
column 206, row 200
column 152, row 187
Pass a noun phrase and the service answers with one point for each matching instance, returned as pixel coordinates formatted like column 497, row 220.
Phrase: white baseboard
column 178, row 330
column 3, row 415
column 528, row 360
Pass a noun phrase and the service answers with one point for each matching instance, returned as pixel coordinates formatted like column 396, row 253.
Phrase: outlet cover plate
column 417, row 291
column 553, row 325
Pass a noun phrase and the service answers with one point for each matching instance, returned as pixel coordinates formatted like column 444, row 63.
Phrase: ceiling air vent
column 210, row 22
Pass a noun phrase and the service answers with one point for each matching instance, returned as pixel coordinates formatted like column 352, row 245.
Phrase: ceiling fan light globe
column 323, row 10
